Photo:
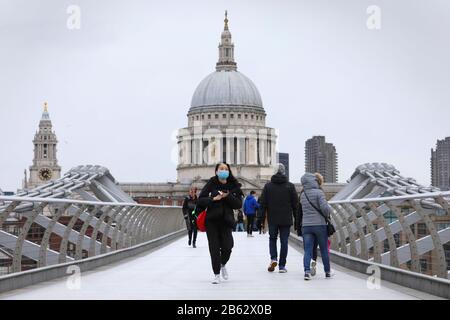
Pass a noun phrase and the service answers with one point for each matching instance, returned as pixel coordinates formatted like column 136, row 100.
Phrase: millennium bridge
column 392, row 242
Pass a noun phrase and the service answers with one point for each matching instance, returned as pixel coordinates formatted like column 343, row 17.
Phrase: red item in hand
column 201, row 221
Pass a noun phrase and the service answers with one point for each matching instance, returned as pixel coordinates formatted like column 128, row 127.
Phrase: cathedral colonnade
column 237, row 146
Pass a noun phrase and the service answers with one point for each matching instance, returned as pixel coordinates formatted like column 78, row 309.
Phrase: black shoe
column 194, row 246
column 189, row 242
column 307, row 276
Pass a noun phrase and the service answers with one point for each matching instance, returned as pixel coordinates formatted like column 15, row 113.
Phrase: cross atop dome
column 226, row 50
column 45, row 115
column 226, row 21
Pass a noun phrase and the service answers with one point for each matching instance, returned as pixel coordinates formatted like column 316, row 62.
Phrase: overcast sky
column 120, row 86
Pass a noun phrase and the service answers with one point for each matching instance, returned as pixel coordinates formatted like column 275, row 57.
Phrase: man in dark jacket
column 279, row 200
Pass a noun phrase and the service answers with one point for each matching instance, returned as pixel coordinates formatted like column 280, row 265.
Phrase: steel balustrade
column 92, row 227
column 361, row 229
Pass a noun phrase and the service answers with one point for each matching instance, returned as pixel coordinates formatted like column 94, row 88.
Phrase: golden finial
column 226, row 20
column 45, row 107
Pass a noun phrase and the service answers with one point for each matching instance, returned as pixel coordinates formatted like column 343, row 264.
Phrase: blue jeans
column 240, row 226
column 284, row 237
column 319, row 234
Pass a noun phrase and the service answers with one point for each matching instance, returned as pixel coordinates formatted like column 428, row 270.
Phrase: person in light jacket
column 314, row 226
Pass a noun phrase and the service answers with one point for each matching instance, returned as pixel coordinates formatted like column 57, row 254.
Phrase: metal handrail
column 74, row 201
column 394, row 198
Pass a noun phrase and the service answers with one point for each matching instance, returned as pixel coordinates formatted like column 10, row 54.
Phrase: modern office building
column 284, row 159
column 321, row 157
column 440, row 164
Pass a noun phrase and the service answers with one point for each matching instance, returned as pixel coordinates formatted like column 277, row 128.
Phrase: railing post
column 343, row 214
column 106, row 231
column 105, row 213
column 48, row 232
column 393, row 261
column 17, row 259
column 69, row 228
column 363, row 253
column 79, row 249
column 415, row 263
column 375, row 241
column 438, row 247
column 119, row 226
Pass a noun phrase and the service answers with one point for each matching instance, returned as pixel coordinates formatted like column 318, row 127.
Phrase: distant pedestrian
column 279, row 201
column 221, row 194
column 240, row 221
column 314, row 226
column 189, row 205
column 260, row 223
column 320, row 180
column 250, row 207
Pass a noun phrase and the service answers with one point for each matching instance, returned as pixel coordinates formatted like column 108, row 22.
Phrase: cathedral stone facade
column 226, row 122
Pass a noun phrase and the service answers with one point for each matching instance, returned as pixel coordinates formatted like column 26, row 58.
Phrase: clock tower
column 45, row 164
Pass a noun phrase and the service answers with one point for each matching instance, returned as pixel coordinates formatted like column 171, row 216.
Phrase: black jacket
column 240, row 216
column 189, row 205
column 221, row 211
column 279, row 200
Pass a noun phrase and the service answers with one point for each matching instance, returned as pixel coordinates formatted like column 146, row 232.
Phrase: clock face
column 45, row 174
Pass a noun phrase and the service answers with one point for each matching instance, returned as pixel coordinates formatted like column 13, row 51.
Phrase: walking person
column 279, row 201
column 250, row 207
column 314, row 226
column 189, row 205
column 320, row 180
column 240, row 221
column 260, row 223
column 221, row 194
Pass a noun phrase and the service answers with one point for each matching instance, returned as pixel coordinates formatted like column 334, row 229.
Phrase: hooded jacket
column 279, row 200
column 311, row 217
column 250, row 205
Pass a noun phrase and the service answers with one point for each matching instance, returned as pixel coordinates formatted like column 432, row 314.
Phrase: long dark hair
column 231, row 177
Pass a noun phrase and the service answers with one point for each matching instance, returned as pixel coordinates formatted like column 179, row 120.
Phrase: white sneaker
column 313, row 268
column 224, row 273
column 216, row 279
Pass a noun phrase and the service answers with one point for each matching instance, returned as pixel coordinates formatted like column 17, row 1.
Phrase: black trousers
column 220, row 242
column 250, row 224
column 193, row 231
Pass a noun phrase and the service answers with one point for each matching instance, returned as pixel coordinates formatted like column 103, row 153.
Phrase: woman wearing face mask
column 221, row 194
